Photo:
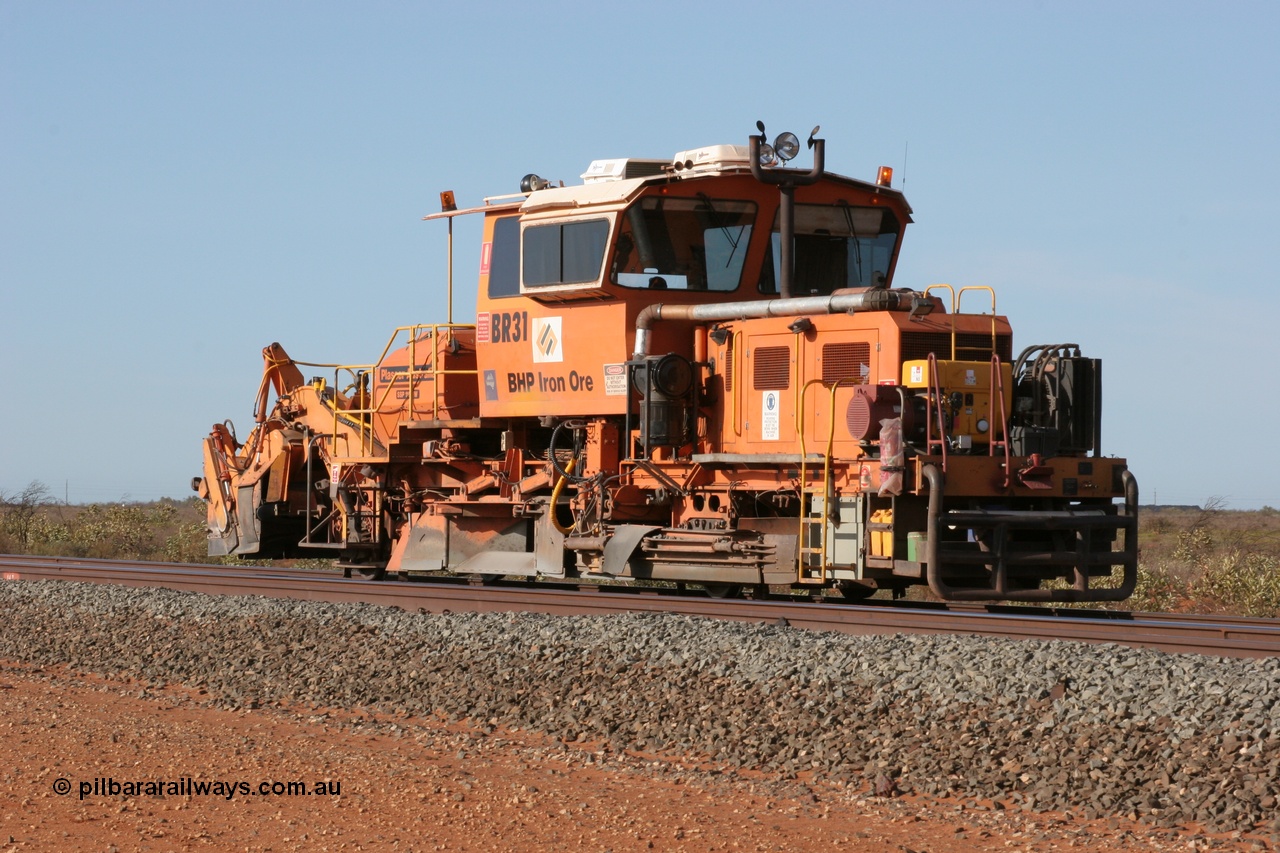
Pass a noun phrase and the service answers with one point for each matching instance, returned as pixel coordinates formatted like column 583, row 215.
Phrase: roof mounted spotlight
column 786, row 146
column 812, row 134
column 532, row 183
column 786, row 180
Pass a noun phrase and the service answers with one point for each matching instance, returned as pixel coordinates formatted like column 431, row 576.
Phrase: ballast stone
column 1171, row 738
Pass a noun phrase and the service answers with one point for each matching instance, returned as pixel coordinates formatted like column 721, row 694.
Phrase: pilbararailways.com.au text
column 106, row 786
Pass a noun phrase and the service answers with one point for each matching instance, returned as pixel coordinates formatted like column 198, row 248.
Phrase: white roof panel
column 586, row 195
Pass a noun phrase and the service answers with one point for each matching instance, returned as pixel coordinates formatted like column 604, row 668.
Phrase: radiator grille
column 849, row 361
column 969, row 346
column 772, row 368
column 728, row 368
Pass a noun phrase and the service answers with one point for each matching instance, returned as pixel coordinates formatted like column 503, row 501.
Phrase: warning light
column 447, row 202
column 885, row 176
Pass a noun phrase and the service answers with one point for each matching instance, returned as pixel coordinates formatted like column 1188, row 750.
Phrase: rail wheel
column 368, row 571
column 855, row 591
column 723, row 590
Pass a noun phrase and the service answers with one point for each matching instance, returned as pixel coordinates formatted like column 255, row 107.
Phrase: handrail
column 735, row 379
column 933, row 400
column 826, row 479
column 798, row 333
column 959, row 296
column 997, row 385
column 954, row 310
column 951, row 309
column 359, row 418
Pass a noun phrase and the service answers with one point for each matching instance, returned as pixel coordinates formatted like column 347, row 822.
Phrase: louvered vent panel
column 772, row 368
column 969, row 347
column 917, row 345
column 845, row 361
column 728, row 368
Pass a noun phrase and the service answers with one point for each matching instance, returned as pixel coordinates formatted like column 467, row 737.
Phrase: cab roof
column 613, row 182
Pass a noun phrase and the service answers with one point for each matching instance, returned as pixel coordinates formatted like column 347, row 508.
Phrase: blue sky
column 185, row 183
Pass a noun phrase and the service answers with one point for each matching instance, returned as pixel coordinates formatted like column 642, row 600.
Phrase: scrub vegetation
column 1193, row 559
column 31, row 522
column 1209, row 560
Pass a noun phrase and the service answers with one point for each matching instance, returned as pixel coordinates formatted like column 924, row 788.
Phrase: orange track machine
column 695, row 370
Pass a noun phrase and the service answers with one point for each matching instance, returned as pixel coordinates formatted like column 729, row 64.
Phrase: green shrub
column 188, row 544
column 20, row 516
column 1158, row 591
column 159, row 531
column 1246, row 583
column 1193, row 543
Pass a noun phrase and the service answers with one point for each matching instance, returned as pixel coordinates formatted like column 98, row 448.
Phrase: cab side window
column 564, row 252
column 504, row 258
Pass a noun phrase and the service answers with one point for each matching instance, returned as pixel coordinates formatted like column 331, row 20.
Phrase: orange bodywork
column 696, row 370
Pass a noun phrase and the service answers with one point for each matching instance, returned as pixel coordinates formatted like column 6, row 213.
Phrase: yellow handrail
column 960, row 296
column 826, row 478
column 359, row 418
column 951, row 309
column 954, row 310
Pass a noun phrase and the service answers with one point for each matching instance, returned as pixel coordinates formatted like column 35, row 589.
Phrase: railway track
column 1226, row 636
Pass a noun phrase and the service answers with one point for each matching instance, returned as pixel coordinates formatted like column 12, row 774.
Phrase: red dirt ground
column 414, row 784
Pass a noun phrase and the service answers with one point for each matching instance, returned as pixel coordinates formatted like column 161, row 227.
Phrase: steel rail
column 1226, row 636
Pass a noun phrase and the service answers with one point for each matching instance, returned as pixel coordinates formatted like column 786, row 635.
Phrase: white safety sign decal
column 769, row 416
column 615, row 380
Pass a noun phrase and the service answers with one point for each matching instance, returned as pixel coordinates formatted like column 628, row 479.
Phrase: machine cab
column 698, row 229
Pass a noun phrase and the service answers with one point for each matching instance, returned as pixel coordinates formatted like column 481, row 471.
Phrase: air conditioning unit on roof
column 621, row 169
column 712, row 159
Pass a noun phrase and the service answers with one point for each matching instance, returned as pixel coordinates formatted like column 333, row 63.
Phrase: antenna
column 904, row 165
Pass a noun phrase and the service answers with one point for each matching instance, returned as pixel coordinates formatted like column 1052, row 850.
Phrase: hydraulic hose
column 555, row 496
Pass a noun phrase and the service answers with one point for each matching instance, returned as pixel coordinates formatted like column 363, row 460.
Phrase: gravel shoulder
column 523, row 732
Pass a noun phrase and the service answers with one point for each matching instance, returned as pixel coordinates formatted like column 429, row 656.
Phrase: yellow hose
column 555, row 495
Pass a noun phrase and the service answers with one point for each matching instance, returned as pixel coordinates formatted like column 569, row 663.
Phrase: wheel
column 855, row 590
column 723, row 590
column 368, row 571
